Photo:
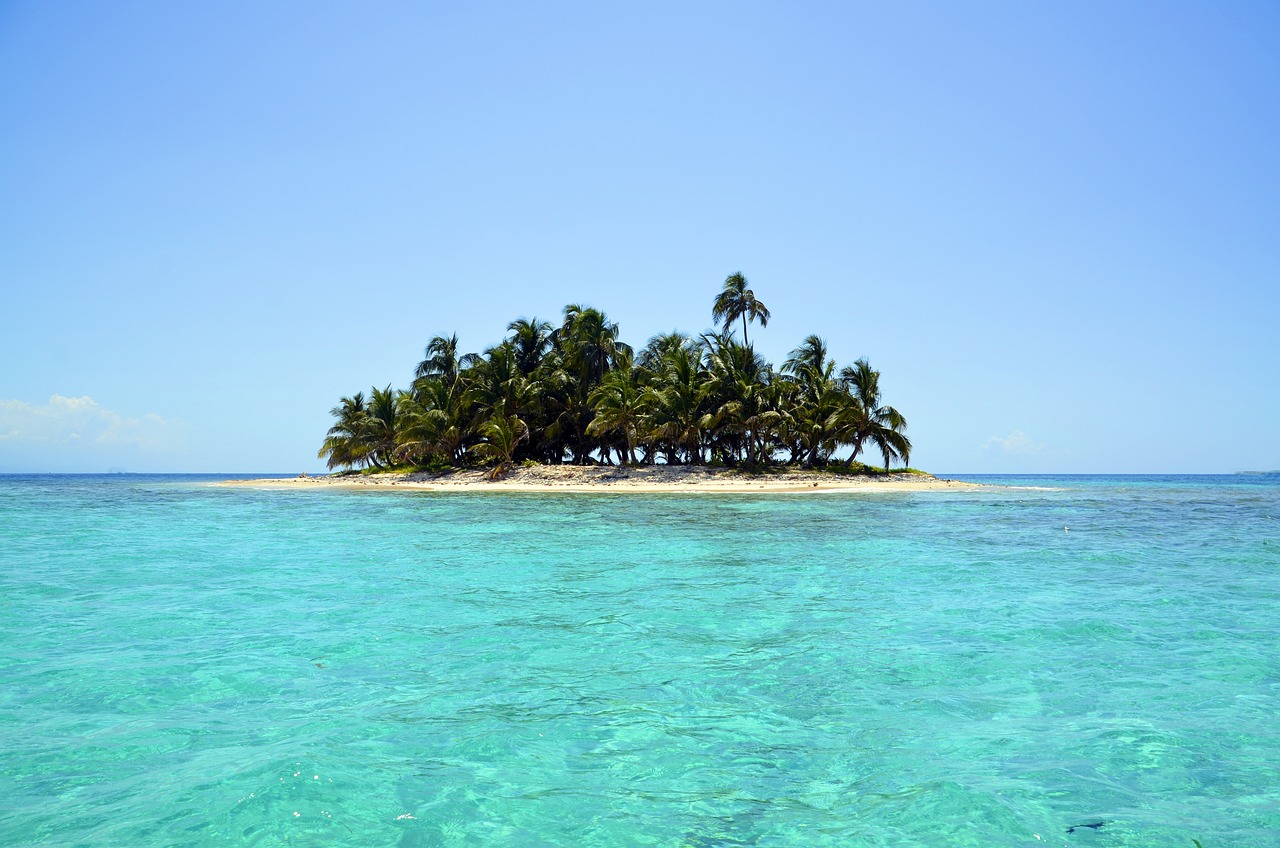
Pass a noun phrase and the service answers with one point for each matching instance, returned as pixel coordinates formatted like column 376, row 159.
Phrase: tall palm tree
column 737, row 301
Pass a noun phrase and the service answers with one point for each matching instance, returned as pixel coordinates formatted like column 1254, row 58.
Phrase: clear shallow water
column 185, row 665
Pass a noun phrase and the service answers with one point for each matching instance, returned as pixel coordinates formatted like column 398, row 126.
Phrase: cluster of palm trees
column 576, row 393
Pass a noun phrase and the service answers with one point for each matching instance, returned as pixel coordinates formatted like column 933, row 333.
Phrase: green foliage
column 852, row 469
column 575, row 392
column 437, row 464
column 737, row 301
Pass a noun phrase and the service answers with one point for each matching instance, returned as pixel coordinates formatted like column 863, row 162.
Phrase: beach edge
column 644, row 479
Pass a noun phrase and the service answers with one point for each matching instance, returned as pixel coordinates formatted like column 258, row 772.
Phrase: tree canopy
column 576, row 393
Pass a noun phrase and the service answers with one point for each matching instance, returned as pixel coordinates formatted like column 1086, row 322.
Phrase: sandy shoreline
column 570, row 478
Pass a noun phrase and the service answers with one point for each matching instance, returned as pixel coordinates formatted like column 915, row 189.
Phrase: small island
column 573, row 407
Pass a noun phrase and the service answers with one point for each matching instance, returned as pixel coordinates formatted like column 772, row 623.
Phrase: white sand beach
column 660, row 478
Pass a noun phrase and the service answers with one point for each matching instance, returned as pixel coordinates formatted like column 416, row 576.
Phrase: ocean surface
column 182, row 665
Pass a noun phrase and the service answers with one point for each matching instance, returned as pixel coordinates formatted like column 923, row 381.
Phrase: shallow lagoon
column 188, row 665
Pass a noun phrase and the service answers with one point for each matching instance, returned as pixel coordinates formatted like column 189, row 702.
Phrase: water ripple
column 185, row 665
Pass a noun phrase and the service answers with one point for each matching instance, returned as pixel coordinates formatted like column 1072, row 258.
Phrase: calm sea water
column 188, row 665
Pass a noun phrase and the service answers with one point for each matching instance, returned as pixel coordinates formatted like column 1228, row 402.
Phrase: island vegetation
column 575, row 393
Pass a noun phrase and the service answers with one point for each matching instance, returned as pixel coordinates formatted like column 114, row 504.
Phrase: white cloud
column 82, row 420
column 1016, row 442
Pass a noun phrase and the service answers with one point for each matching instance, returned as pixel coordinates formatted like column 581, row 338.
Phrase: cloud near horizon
column 82, row 421
column 1016, row 442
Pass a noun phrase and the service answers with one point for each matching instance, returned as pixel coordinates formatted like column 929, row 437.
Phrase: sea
column 1061, row 660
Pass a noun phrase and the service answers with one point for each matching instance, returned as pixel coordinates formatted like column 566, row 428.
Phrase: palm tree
column 673, row 398
column 441, row 360
column 365, row 433
column 344, row 444
column 864, row 419
column 382, row 425
column 588, row 348
column 761, row 419
column 815, row 400
column 618, row 403
column 590, row 342
column 736, row 400
column 495, row 384
column 737, row 301
column 434, row 423
column 808, row 359
column 572, row 392
column 661, row 346
column 502, row 435
column 530, row 339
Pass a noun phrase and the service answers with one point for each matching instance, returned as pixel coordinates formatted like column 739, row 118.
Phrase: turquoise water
column 189, row 665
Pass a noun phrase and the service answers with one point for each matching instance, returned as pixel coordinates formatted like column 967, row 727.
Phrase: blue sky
column 1055, row 229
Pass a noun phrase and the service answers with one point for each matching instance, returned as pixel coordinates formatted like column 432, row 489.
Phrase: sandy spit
column 572, row 478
